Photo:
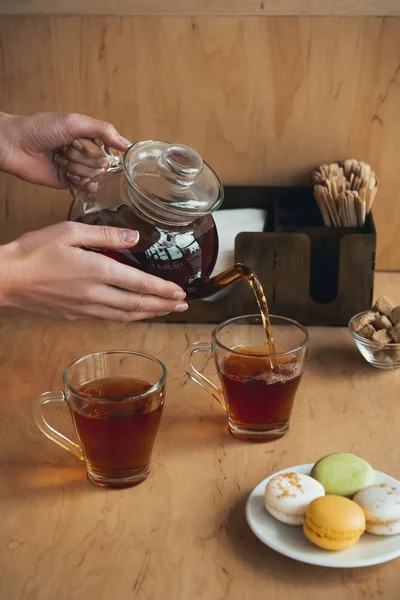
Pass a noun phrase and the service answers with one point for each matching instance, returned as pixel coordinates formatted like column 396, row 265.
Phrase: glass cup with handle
column 116, row 400
column 257, row 388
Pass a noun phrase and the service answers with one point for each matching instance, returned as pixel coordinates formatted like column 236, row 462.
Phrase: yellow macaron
column 334, row 522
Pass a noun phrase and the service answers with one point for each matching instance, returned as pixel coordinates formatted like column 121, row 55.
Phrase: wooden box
column 311, row 273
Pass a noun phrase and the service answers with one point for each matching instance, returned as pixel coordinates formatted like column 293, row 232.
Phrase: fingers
column 119, row 316
column 74, row 168
column 87, row 147
column 79, row 234
column 93, row 160
column 79, row 126
column 133, row 280
column 79, row 182
column 78, row 167
column 83, row 159
column 131, row 302
column 112, row 272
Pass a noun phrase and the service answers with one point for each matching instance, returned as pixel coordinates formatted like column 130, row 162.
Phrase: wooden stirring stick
column 345, row 192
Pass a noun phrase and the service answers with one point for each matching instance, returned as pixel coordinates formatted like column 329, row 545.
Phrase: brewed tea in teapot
column 167, row 193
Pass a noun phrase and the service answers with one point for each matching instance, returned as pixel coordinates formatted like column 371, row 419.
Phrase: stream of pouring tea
column 240, row 271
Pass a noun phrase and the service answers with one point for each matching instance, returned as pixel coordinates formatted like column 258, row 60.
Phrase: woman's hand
column 45, row 148
column 47, row 271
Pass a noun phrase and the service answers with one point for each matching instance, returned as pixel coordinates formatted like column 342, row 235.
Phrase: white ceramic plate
column 291, row 541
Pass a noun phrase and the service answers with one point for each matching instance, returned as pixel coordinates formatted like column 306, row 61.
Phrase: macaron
column 381, row 505
column 343, row 474
column 287, row 496
column 334, row 522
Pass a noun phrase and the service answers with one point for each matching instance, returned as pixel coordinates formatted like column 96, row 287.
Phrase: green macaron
column 343, row 474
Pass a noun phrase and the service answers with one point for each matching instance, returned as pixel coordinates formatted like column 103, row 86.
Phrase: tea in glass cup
column 257, row 388
column 116, row 400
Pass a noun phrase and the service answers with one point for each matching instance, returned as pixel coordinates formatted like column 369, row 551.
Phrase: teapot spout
column 213, row 285
column 235, row 273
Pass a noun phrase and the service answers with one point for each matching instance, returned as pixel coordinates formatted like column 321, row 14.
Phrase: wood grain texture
column 263, row 99
column 182, row 534
column 201, row 7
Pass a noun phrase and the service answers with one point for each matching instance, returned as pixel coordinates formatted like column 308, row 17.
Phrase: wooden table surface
column 182, row 534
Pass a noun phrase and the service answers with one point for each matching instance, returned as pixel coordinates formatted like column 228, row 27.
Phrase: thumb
column 84, row 126
column 80, row 234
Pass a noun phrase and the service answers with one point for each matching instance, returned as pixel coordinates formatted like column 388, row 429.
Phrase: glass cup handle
column 48, row 430
column 198, row 377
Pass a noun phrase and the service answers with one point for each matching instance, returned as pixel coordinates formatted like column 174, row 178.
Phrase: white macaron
column 381, row 505
column 287, row 496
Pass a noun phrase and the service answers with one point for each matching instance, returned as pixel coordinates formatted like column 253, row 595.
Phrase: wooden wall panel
column 263, row 99
column 201, row 7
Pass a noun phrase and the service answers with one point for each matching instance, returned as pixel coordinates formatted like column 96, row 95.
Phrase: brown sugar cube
column 395, row 315
column 395, row 333
column 382, row 322
column 367, row 331
column 363, row 320
column 384, row 306
column 382, row 337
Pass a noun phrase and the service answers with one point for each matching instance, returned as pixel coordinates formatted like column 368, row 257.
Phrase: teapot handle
column 114, row 157
column 91, row 148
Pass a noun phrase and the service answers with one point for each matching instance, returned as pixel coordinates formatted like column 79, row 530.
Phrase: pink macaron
column 381, row 505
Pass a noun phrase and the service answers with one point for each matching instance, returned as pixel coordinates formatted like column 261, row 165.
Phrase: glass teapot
column 167, row 193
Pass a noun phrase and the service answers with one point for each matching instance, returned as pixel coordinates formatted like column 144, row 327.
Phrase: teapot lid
column 173, row 176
